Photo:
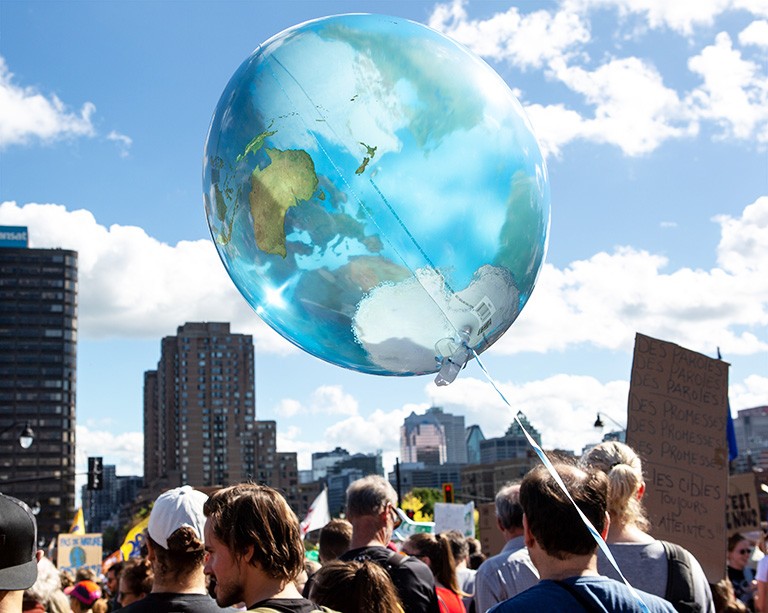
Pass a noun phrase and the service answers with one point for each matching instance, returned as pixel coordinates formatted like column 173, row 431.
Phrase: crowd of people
column 242, row 549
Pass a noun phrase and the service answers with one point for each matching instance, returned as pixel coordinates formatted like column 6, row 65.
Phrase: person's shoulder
column 376, row 553
column 619, row 595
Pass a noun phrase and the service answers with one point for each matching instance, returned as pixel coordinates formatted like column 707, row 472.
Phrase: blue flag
column 730, row 432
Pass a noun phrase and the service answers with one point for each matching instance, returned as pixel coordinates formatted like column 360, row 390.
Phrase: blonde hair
column 624, row 470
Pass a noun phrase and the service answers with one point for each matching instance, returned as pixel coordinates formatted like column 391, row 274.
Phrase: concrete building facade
column 38, row 375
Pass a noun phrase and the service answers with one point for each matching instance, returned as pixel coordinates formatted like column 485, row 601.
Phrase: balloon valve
column 451, row 366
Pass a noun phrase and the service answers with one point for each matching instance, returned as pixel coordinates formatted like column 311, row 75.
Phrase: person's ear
column 39, row 555
column 641, row 491
column 527, row 534
column 607, row 524
column 150, row 551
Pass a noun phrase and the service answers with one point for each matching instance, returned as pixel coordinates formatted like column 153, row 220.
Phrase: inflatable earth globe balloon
column 377, row 194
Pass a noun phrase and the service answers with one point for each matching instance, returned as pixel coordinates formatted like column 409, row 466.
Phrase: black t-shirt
column 286, row 605
column 168, row 602
column 412, row 578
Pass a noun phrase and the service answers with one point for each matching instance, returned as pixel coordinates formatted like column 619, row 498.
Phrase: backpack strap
column 395, row 560
column 679, row 589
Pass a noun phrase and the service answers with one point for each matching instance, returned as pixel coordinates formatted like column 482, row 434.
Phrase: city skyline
column 654, row 121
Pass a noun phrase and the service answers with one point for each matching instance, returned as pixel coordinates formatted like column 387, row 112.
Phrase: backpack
column 679, row 590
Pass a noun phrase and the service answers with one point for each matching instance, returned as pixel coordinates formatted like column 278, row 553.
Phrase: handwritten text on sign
column 676, row 423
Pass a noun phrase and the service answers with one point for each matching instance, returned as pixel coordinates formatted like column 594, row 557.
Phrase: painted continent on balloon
column 276, row 188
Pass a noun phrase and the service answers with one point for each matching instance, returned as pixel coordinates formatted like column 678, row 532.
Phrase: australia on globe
column 376, row 193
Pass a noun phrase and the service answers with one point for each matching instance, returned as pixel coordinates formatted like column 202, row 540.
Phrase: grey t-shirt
column 645, row 567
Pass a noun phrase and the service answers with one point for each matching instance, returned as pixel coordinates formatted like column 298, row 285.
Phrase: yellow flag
column 78, row 524
column 131, row 546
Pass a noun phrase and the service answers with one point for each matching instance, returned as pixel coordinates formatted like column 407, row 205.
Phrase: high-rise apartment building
column 433, row 438
column 38, row 337
column 199, row 416
column 199, row 408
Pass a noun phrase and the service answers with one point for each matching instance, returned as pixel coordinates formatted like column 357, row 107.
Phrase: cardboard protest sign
column 492, row 540
column 459, row 517
column 678, row 403
column 742, row 510
column 77, row 551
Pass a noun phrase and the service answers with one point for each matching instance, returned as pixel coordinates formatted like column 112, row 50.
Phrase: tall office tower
column 435, row 437
column 473, row 438
column 513, row 445
column 38, row 336
column 199, row 408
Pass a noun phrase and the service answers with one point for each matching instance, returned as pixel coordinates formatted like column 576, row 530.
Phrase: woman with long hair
column 354, row 587
column 643, row 560
column 435, row 551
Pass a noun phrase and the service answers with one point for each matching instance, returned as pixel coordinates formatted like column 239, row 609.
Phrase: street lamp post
column 26, row 435
column 599, row 424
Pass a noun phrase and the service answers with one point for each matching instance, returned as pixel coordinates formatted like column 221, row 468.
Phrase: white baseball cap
column 174, row 509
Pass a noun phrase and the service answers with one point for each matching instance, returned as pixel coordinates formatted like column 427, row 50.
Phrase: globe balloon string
column 558, row 479
column 376, row 194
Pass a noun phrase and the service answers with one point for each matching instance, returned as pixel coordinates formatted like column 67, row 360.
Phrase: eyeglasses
column 743, row 551
column 396, row 519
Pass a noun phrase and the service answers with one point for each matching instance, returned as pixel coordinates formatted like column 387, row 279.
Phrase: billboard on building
column 14, row 236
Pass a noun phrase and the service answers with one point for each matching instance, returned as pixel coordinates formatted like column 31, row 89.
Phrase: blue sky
column 654, row 119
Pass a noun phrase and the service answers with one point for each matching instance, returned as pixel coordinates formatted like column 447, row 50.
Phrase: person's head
column 459, row 546
column 334, row 540
column 739, row 551
column 626, row 486
column 18, row 554
column 113, row 578
column 371, row 509
column 86, row 574
column 724, row 598
column 435, row 552
column 135, row 581
column 550, row 516
column 250, row 525
column 83, row 595
column 369, row 496
column 509, row 513
column 47, row 583
column 175, row 534
column 310, row 568
column 354, row 587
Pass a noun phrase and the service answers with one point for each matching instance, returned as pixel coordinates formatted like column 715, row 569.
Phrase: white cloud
column 132, row 285
column 735, row 91
column 525, row 40
column 624, row 101
column 27, row 114
column 325, row 400
column 681, row 17
column 743, row 247
column 125, row 451
column 604, row 300
column 634, row 110
column 569, row 401
column 756, row 33
column 123, row 142
column 752, row 392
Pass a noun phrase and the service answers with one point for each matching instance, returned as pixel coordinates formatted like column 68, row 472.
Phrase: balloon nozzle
column 451, row 366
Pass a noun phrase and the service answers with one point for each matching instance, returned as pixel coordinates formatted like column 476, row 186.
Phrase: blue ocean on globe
column 376, row 193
